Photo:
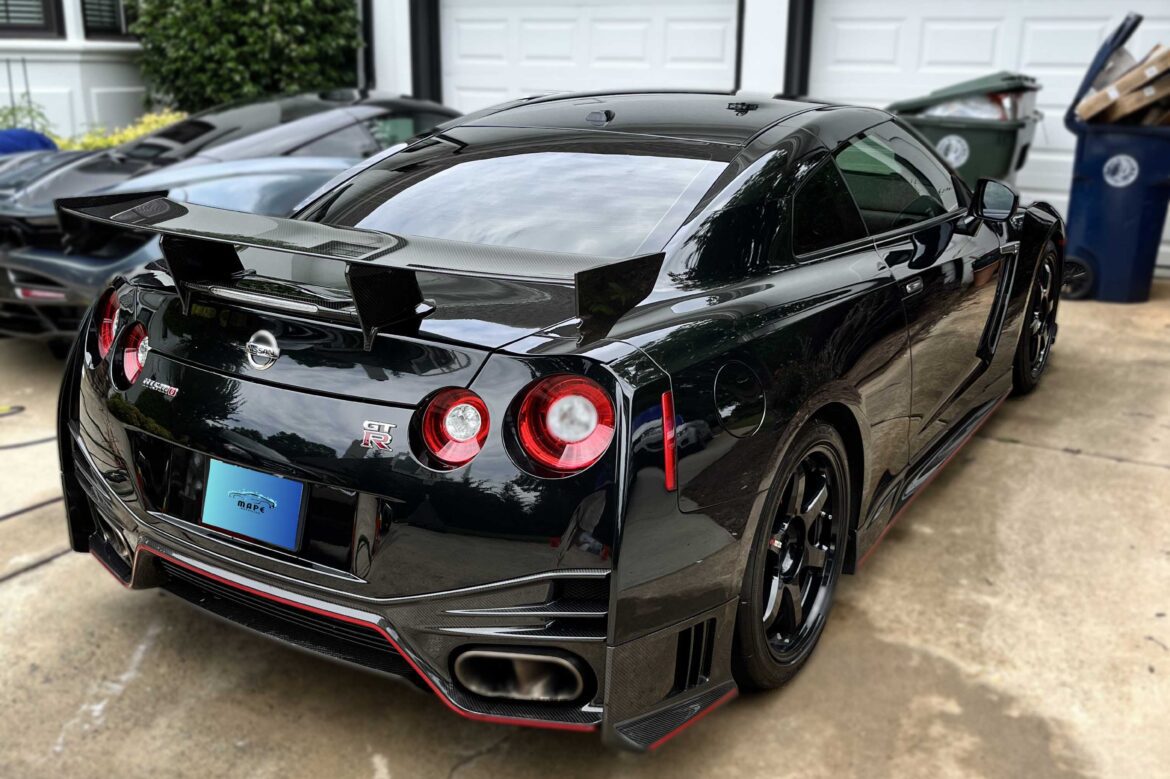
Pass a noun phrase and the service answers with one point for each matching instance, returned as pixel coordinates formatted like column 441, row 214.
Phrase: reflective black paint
column 904, row 371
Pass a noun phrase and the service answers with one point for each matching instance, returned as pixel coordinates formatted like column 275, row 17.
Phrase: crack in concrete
column 34, row 565
column 34, row 442
column 26, row 509
column 1075, row 452
column 476, row 755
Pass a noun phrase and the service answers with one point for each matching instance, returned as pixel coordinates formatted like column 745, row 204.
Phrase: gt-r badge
column 376, row 435
column 262, row 350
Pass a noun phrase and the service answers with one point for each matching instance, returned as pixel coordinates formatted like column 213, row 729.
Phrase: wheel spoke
column 814, row 556
column 816, row 502
column 772, row 602
column 793, row 605
column 796, row 492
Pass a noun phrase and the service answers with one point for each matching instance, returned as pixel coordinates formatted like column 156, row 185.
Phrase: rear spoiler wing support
column 202, row 245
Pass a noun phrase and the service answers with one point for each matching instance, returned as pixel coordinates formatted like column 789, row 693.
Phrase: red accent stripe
column 728, row 696
column 24, row 293
column 669, row 451
column 929, row 481
column 363, row 623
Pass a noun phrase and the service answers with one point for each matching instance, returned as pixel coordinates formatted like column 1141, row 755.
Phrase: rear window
column 576, row 201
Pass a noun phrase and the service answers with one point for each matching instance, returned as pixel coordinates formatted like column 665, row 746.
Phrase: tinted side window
column 894, row 181
column 351, row 141
column 823, row 212
column 393, row 128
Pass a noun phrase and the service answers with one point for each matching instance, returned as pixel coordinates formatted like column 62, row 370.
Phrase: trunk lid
column 472, row 317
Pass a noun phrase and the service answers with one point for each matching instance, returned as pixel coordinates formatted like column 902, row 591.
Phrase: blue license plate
column 255, row 505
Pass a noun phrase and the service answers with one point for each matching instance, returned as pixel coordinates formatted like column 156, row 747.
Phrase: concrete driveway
column 1014, row 623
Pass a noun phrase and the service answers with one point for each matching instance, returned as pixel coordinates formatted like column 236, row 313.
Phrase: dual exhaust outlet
column 520, row 675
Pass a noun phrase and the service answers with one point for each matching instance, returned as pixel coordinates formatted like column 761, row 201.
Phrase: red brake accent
column 545, row 447
column 107, row 323
column 669, row 447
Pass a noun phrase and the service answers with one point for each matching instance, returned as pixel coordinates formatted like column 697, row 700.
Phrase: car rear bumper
column 403, row 613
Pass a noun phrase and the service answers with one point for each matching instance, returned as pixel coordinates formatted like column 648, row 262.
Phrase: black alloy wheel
column 1077, row 281
column 796, row 562
column 1039, row 330
column 1042, row 316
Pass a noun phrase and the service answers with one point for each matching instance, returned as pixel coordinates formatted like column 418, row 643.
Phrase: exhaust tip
column 520, row 676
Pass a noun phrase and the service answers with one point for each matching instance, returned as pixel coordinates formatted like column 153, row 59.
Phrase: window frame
column 54, row 26
column 107, row 36
column 959, row 208
column 833, row 249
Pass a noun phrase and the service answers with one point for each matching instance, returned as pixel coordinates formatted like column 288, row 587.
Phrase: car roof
column 273, row 125
column 717, row 117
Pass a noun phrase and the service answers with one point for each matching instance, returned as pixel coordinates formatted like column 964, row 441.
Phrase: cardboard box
column 1157, row 63
column 1136, row 101
column 1156, row 116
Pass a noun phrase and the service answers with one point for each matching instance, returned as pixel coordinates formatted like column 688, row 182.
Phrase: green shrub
column 24, row 113
column 199, row 53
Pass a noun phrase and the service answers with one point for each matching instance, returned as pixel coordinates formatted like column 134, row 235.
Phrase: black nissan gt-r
column 574, row 410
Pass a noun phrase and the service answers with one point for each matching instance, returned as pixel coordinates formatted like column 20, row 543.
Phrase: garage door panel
column 698, row 43
column 872, row 54
column 959, row 43
column 620, row 43
column 499, row 50
column 548, row 42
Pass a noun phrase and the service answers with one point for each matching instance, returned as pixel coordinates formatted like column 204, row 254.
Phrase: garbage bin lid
column 1003, row 81
column 1115, row 41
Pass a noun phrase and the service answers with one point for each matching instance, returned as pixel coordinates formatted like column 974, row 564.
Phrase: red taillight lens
column 669, row 451
column 565, row 423
column 454, row 426
column 134, row 351
column 107, row 322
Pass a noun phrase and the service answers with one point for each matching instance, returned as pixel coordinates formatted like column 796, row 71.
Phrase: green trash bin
column 956, row 121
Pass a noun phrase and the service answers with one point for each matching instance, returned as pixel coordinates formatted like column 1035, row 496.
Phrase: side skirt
column 919, row 475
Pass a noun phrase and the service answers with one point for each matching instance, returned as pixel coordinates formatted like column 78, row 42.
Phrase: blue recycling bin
column 1120, row 194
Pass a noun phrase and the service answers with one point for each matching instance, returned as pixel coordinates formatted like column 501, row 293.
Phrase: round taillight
column 454, row 426
column 134, row 351
column 565, row 423
column 107, row 322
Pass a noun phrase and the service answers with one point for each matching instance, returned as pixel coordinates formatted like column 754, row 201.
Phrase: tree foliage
column 199, row 53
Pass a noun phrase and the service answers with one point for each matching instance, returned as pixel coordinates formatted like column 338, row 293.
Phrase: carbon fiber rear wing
column 204, row 246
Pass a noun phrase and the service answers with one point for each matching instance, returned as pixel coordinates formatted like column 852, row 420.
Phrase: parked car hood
column 31, row 188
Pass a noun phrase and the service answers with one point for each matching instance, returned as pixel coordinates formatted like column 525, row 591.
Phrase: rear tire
column 1039, row 330
column 796, row 560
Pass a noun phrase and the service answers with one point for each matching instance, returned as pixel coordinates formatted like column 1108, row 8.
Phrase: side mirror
column 994, row 201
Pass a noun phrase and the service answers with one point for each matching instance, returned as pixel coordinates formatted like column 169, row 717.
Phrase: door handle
column 913, row 286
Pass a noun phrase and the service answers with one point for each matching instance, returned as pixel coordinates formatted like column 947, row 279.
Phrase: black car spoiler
column 201, row 244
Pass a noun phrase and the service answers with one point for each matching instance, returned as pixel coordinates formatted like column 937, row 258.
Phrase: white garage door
column 494, row 51
column 875, row 53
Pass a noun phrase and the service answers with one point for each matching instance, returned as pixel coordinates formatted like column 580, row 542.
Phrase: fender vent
column 692, row 665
